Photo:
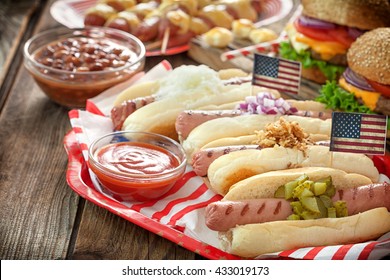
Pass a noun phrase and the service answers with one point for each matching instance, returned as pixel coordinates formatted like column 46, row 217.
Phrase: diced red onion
column 356, row 80
column 265, row 103
column 315, row 23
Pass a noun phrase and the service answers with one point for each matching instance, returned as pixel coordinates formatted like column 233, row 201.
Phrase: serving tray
column 70, row 13
column 179, row 215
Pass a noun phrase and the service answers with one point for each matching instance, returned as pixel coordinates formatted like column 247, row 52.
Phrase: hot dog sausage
column 148, row 28
column 188, row 120
column 119, row 5
column 98, row 15
column 222, row 215
column 365, row 197
column 120, row 113
column 314, row 114
column 126, row 21
column 202, row 159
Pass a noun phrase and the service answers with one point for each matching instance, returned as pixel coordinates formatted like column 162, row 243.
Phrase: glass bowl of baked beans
column 73, row 65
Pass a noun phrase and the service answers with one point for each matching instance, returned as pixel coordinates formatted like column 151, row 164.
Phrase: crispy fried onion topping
column 283, row 133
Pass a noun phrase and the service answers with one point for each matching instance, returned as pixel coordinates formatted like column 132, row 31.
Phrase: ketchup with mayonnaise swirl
column 136, row 158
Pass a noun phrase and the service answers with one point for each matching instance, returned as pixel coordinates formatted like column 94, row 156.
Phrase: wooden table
column 40, row 216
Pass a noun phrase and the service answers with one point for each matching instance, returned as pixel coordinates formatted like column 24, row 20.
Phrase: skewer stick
column 165, row 41
column 153, row 45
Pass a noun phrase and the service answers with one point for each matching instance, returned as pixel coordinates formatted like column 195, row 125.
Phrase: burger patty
column 338, row 59
column 383, row 105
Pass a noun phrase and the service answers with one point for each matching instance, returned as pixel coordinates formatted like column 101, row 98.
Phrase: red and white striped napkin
column 182, row 208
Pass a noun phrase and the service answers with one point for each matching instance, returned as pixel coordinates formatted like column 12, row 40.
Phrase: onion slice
column 356, row 80
column 315, row 23
column 354, row 32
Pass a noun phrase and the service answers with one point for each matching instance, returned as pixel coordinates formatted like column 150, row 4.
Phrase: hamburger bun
column 362, row 14
column 369, row 55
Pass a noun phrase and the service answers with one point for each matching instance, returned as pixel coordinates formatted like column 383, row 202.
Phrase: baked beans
column 84, row 55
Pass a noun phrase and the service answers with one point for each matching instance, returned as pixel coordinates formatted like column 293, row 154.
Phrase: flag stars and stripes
column 275, row 73
column 358, row 133
column 347, row 125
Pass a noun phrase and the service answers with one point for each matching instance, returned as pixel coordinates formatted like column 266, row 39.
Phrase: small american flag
column 275, row 73
column 358, row 133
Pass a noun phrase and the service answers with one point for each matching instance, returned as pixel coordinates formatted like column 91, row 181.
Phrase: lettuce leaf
column 330, row 71
column 336, row 98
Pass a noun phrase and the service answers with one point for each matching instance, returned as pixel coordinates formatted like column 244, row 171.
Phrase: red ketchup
column 135, row 170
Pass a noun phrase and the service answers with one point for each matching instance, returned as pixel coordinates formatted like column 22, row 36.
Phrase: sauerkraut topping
column 283, row 133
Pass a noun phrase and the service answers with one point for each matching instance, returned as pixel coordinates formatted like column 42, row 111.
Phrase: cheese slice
column 370, row 98
column 292, row 34
column 326, row 49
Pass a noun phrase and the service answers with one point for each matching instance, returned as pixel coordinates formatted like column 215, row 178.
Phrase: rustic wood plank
column 103, row 235
column 37, row 207
column 14, row 19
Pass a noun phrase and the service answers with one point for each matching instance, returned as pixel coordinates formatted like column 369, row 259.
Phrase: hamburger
column 364, row 87
column 321, row 36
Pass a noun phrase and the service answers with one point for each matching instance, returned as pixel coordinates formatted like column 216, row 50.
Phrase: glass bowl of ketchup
column 136, row 166
column 73, row 65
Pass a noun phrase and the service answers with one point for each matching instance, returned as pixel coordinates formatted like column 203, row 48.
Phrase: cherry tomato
column 382, row 163
column 381, row 88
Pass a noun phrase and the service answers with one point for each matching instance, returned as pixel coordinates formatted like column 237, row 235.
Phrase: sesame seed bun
column 369, row 55
column 362, row 14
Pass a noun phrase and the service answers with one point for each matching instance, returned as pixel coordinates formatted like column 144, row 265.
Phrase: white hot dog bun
column 246, row 125
column 187, row 87
column 253, row 240
column 239, row 165
column 264, row 185
column 137, row 90
column 160, row 116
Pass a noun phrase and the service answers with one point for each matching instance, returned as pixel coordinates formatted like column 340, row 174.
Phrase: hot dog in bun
column 302, row 207
column 153, row 106
column 285, row 145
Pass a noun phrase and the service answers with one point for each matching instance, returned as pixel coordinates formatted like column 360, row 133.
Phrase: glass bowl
column 73, row 65
column 136, row 166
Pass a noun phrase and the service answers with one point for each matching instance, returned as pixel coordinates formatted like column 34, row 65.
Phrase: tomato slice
column 382, row 163
column 338, row 34
column 381, row 88
column 341, row 35
column 313, row 33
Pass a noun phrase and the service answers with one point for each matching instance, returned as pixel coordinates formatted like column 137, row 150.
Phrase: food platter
column 70, row 14
column 79, row 179
column 179, row 215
